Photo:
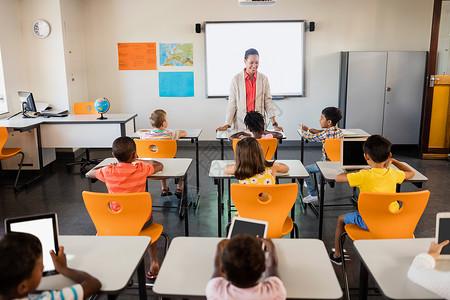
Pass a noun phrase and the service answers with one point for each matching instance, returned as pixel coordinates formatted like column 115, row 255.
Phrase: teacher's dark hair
column 250, row 51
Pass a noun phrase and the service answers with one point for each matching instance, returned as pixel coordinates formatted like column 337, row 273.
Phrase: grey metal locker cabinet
column 382, row 93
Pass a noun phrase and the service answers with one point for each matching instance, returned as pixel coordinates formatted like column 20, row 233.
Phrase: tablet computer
column 443, row 232
column 44, row 227
column 251, row 226
column 352, row 154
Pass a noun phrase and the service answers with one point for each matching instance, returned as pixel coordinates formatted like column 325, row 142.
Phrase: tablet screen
column 43, row 228
column 444, row 234
column 243, row 226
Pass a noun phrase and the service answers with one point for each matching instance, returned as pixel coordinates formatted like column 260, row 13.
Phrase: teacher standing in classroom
column 249, row 91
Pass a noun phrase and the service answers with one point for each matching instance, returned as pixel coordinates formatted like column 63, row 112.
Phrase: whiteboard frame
column 277, row 96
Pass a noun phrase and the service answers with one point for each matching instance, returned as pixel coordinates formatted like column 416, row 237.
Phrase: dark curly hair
column 123, row 147
column 333, row 114
column 19, row 253
column 377, row 147
column 254, row 122
column 243, row 260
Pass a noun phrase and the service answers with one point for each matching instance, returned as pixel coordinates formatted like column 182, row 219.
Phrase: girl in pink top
column 238, row 265
column 255, row 124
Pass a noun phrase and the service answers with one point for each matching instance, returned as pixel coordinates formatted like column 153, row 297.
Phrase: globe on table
column 101, row 105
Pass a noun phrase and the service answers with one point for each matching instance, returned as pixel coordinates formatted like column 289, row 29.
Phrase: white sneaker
column 309, row 199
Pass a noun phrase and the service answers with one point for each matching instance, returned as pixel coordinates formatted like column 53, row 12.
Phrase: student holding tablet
column 249, row 91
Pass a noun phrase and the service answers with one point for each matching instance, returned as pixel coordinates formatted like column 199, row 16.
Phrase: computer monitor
column 27, row 97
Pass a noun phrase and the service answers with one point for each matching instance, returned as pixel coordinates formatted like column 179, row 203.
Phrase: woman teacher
column 249, row 91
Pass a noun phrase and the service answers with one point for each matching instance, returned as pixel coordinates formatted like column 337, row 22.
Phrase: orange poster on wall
column 137, row 56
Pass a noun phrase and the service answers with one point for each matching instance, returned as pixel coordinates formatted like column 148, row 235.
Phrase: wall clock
column 41, row 29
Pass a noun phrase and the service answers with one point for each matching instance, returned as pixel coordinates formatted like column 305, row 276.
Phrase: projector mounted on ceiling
column 256, row 2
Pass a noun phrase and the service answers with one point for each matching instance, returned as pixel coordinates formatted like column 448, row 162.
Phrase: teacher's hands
column 278, row 128
column 222, row 128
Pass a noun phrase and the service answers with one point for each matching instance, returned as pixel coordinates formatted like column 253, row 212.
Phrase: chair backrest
column 385, row 224
column 275, row 210
column 135, row 210
column 333, row 149
column 156, row 148
column 3, row 138
column 269, row 146
column 80, row 108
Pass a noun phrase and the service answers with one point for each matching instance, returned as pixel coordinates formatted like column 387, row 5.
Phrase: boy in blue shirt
column 328, row 119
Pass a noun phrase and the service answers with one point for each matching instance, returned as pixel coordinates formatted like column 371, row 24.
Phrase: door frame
column 427, row 152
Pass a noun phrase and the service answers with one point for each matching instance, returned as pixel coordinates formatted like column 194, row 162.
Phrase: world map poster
column 176, row 54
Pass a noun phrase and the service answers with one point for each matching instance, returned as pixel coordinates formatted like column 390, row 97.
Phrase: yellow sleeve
column 356, row 178
column 400, row 176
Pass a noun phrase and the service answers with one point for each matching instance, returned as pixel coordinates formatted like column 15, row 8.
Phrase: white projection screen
column 281, row 54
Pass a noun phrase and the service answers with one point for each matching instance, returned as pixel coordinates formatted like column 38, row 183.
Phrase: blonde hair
column 157, row 118
column 249, row 159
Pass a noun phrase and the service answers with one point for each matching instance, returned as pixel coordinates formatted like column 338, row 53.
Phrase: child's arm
column 229, row 169
column 341, row 177
column 402, row 167
column 157, row 166
column 218, row 259
column 181, row 133
column 90, row 284
column 272, row 259
column 239, row 135
column 275, row 134
column 279, row 168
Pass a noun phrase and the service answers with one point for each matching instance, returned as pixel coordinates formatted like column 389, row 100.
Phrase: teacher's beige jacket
column 237, row 105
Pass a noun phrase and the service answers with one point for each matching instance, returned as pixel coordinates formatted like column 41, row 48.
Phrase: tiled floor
column 60, row 191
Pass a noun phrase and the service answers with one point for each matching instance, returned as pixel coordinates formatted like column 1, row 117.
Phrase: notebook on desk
column 53, row 113
column 352, row 154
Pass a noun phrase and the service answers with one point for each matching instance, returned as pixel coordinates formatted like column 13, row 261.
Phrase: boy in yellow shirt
column 379, row 178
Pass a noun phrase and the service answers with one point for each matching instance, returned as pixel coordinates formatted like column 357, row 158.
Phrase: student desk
column 304, row 267
column 350, row 133
column 173, row 168
column 111, row 259
column 224, row 135
column 191, row 134
column 388, row 261
column 329, row 170
column 73, row 131
column 296, row 171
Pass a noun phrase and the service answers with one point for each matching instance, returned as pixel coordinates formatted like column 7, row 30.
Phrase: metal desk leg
column 141, row 280
column 321, row 201
column 185, row 206
column 197, row 174
column 219, row 207
column 363, row 282
column 221, row 149
column 229, row 200
column 302, row 149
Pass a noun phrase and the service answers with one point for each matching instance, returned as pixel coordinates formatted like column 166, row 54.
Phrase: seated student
column 158, row 120
column 129, row 176
column 255, row 125
column 238, row 265
column 251, row 167
column 21, row 271
column 422, row 271
column 328, row 119
column 379, row 178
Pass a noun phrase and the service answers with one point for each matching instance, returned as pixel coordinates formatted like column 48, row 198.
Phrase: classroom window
column 3, row 102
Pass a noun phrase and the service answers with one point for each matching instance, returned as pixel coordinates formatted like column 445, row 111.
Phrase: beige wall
column 344, row 25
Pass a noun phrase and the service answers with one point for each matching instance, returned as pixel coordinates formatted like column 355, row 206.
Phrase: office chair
column 6, row 153
column 275, row 210
column 374, row 209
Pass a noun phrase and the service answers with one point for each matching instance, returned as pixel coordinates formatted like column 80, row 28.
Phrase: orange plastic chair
column 136, row 208
column 84, row 108
column 6, row 153
column 156, row 148
column 333, row 149
column 382, row 222
column 275, row 210
column 269, row 146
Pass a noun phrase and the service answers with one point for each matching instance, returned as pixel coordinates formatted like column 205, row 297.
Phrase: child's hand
column 304, row 127
column 267, row 242
column 59, row 260
column 388, row 163
column 143, row 130
column 435, row 249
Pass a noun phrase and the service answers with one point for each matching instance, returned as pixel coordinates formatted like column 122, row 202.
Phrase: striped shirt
column 250, row 91
column 125, row 177
column 74, row 292
column 332, row 132
column 157, row 134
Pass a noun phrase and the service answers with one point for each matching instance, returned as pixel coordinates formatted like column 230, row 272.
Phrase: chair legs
column 296, row 231
column 344, row 270
column 20, row 168
column 166, row 242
